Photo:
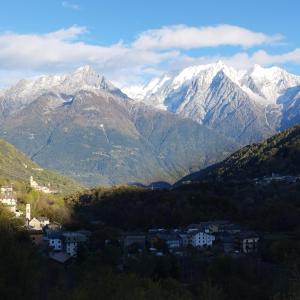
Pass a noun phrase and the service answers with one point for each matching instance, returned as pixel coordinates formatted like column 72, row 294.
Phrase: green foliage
column 20, row 269
column 275, row 207
column 17, row 167
column 279, row 154
column 209, row 291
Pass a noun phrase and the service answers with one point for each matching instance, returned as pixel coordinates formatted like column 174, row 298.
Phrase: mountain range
column 246, row 105
column 83, row 126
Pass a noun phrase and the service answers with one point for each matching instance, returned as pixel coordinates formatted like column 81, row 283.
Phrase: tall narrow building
column 28, row 212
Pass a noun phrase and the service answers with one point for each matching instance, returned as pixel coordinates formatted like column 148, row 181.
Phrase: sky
column 131, row 41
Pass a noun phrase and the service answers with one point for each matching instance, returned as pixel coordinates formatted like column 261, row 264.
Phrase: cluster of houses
column 265, row 180
column 64, row 245
column 37, row 187
column 61, row 245
column 228, row 237
column 8, row 198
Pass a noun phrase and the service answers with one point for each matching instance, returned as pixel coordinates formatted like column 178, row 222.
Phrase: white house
column 8, row 198
column 44, row 221
column 8, row 201
column 35, row 224
column 6, row 189
column 18, row 213
column 55, row 242
column 200, row 239
column 38, row 223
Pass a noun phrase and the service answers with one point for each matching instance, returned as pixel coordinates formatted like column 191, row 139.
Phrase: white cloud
column 261, row 57
column 70, row 5
column 240, row 60
column 185, row 37
column 63, row 50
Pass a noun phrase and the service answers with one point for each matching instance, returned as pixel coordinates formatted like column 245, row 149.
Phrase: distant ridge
column 16, row 166
column 279, row 154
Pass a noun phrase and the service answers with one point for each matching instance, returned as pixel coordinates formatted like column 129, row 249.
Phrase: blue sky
column 131, row 41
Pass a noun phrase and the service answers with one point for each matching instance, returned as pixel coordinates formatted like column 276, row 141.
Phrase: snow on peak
column 204, row 74
column 85, row 69
column 83, row 78
column 271, row 82
column 263, row 85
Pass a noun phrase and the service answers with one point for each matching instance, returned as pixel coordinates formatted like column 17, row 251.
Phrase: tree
column 209, row 291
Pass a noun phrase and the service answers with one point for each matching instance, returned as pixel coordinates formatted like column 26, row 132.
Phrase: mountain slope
column 279, row 154
column 245, row 105
column 101, row 137
column 14, row 165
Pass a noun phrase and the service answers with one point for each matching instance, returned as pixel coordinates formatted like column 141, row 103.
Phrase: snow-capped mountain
column 247, row 105
column 26, row 91
column 84, row 127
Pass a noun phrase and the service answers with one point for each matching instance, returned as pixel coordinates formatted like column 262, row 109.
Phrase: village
column 63, row 245
column 221, row 234
column 60, row 245
column 265, row 180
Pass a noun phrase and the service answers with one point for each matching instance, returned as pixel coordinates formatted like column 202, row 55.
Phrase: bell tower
column 28, row 212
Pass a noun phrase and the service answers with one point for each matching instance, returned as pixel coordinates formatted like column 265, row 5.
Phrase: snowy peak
column 245, row 104
column 264, row 85
column 203, row 74
column 26, row 91
column 270, row 83
column 85, row 76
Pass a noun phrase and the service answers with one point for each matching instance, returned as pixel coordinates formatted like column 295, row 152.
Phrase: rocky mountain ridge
column 228, row 100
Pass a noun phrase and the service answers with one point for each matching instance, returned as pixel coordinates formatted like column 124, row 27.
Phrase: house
column 217, row 226
column 36, row 186
column 18, row 213
column 276, row 178
column 55, row 241
column 246, row 242
column 209, row 227
column 6, row 189
column 38, row 223
column 52, row 227
column 172, row 240
column 71, row 240
column 186, row 239
column 8, row 196
column 232, row 228
column 67, row 241
column 135, row 238
column 8, row 199
column 35, row 224
column 201, row 239
column 226, row 242
column 44, row 221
